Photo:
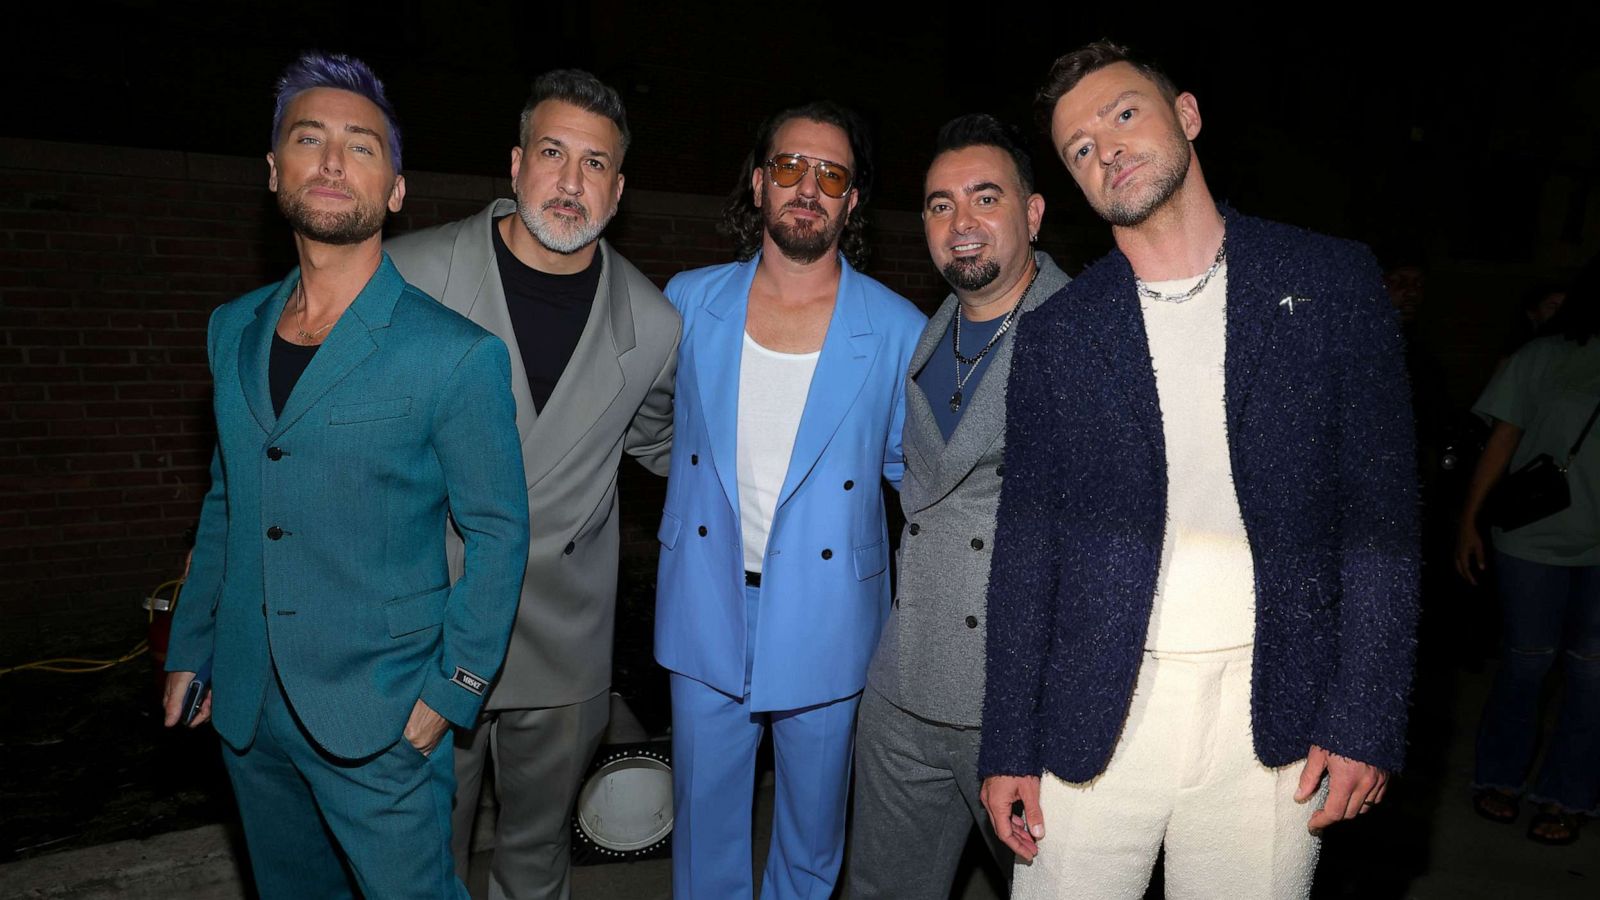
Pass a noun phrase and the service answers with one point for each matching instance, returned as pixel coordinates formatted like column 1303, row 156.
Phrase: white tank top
column 772, row 396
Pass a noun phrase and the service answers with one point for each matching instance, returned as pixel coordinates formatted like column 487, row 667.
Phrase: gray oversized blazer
column 614, row 396
column 930, row 659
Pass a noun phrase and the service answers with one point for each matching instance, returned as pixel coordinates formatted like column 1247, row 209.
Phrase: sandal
column 1554, row 827
column 1500, row 807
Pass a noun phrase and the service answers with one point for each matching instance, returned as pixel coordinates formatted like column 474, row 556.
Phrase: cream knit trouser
column 1184, row 772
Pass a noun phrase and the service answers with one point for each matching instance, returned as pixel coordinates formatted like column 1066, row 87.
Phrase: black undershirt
column 548, row 313
column 285, row 365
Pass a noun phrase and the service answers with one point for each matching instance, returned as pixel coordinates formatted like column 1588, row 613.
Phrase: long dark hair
column 741, row 218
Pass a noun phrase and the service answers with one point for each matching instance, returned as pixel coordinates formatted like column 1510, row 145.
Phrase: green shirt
column 1548, row 389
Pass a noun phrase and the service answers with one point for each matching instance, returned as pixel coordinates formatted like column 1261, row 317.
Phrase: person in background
column 1543, row 401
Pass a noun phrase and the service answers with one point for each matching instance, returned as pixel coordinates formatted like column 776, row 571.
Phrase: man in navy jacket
column 1203, row 595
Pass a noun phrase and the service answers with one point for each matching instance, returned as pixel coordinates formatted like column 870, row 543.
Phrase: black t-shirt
column 285, row 365
column 548, row 313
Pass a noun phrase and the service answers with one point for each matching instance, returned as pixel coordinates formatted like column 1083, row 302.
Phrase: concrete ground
column 1425, row 843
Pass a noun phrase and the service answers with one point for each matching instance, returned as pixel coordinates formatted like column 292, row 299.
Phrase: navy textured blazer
column 1320, row 440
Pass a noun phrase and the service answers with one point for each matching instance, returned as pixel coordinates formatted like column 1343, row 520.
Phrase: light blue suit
column 320, row 584
column 803, row 640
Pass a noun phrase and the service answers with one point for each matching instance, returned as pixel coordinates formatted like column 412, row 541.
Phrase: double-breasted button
column 571, row 546
column 827, row 554
column 694, row 459
column 274, row 453
column 275, row 533
column 972, row 621
column 915, row 528
column 849, row 484
column 702, row 530
column 977, row 543
column 1000, row 471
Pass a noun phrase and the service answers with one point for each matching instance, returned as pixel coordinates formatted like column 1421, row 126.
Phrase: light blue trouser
column 714, row 741
column 389, row 815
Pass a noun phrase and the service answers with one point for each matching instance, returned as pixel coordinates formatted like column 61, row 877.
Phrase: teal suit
column 320, row 584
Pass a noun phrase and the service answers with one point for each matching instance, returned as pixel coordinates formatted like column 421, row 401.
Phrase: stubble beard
column 565, row 239
column 1132, row 211
column 338, row 228
column 802, row 243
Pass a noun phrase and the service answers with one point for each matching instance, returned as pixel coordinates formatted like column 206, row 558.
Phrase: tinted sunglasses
column 787, row 169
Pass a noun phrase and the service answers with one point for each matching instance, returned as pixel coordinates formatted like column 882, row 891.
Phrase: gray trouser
column 540, row 756
column 916, row 803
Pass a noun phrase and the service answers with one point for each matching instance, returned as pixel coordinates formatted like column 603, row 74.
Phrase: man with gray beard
column 593, row 354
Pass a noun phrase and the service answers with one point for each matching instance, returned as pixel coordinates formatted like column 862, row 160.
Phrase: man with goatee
column 916, row 797
column 320, row 596
column 774, row 579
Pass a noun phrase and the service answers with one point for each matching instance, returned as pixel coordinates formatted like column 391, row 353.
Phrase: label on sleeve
column 470, row 681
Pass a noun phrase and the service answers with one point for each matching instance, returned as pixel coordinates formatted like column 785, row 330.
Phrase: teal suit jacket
column 321, row 548
column 825, row 582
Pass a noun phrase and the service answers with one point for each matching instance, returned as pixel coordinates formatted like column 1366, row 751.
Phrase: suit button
column 275, row 533
column 571, row 546
column 827, row 554
column 977, row 543
column 694, row 459
column 972, row 621
column 1000, row 471
column 274, row 454
column 849, row 484
column 915, row 529
column 702, row 530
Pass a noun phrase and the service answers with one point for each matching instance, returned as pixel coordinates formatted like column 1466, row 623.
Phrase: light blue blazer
column 825, row 581
column 321, row 548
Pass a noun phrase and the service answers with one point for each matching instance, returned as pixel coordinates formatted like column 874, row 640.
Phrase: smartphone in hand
column 195, row 694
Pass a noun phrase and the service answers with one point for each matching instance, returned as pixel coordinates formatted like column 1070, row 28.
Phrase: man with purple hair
column 320, row 598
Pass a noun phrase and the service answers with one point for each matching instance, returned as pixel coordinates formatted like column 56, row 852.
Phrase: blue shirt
column 938, row 376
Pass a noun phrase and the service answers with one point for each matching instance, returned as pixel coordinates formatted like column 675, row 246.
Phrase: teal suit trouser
column 306, row 814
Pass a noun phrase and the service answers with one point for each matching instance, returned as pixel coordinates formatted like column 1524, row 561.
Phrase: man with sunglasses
column 916, row 797
column 774, row 582
column 593, row 351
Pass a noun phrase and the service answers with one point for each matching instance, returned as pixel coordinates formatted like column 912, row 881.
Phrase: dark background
column 132, row 202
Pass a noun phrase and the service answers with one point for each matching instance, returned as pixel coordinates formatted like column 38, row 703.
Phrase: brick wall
column 111, row 260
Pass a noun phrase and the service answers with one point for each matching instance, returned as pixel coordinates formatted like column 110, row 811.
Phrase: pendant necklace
column 972, row 362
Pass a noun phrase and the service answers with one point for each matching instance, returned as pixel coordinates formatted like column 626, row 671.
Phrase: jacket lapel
column 473, row 289
column 718, row 345
column 255, row 350
column 348, row 344
column 1253, row 315
column 923, row 441
column 592, row 379
column 847, row 355
column 984, row 422
column 1108, row 305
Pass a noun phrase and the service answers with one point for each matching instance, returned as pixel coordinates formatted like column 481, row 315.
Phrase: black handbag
column 1537, row 490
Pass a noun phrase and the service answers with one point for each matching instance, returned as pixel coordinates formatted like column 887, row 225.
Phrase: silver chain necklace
column 955, row 343
column 1150, row 293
